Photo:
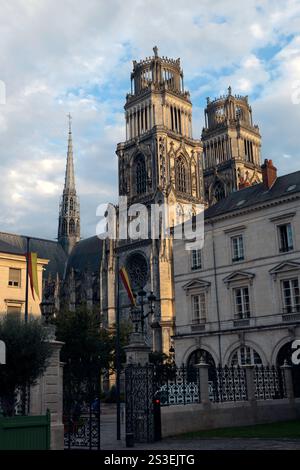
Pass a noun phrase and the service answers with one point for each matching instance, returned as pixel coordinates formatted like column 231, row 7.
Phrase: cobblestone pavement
column 109, row 441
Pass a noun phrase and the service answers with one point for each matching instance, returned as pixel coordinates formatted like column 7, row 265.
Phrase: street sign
column 2, row 352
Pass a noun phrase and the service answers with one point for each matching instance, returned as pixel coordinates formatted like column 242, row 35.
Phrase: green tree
column 27, row 355
column 87, row 351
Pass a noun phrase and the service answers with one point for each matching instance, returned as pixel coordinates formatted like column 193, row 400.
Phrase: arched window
column 64, row 228
column 141, row 176
column 219, row 191
column 245, row 355
column 71, row 204
column 181, row 175
column 72, row 226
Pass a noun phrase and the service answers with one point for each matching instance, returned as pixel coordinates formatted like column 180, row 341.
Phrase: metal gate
column 139, row 394
column 81, row 411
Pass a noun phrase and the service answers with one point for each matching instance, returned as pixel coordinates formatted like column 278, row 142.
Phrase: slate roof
column 48, row 249
column 86, row 254
column 256, row 194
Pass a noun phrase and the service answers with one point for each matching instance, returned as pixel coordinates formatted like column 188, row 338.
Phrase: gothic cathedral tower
column 231, row 147
column 69, row 213
column 159, row 163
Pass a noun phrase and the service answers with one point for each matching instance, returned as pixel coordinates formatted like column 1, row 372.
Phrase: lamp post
column 47, row 311
column 138, row 314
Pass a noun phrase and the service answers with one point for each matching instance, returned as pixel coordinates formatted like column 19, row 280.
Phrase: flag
column 126, row 283
column 32, row 271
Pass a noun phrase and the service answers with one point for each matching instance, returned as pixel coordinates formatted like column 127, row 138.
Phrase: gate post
column 287, row 371
column 137, row 352
column 203, row 382
column 251, row 389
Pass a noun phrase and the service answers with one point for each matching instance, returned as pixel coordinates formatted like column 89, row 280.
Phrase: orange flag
column 126, row 282
column 33, row 276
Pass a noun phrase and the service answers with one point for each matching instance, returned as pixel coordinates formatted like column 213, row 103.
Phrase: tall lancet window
column 181, row 175
column 72, row 227
column 219, row 191
column 141, row 176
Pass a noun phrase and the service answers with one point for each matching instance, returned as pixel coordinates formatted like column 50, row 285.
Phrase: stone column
column 249, row 371
column 137, row 352
column 287, row 371
column 47, row 394
column 203, row 379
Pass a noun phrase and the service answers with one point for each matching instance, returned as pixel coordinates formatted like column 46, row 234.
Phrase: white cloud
column 57, row 57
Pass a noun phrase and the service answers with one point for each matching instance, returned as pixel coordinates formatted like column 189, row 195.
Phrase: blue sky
column 72, row 56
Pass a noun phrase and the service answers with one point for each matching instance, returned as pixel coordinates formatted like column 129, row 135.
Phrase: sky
column 61, row 56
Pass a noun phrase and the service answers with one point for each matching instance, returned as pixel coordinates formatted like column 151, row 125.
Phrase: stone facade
column 159, row 163
column 240, row 303
column 231, row 146
column 13, row 283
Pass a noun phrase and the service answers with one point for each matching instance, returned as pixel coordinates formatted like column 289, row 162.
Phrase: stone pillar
column 203, row 379
column 47, row 394
column 137, row 352
column 287, row 371
column 249, row 371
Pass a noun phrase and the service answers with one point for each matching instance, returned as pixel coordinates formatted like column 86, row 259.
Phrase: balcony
column 291, row 314
column 198, row 325
column 239, row 322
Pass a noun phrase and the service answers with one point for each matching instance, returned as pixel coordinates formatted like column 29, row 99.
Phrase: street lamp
column 138, row 314
column 47, row 310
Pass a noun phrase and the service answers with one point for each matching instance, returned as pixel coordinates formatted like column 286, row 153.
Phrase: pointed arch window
column 181, row 175
column 219, row 191
column 141, row 176
column 72, row 227
column 71, row 204
column 64, row 227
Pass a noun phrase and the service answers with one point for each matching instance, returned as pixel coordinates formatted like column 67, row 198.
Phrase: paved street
column 109, row 441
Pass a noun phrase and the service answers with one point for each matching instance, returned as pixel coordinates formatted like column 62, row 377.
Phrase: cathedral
column 159, row 163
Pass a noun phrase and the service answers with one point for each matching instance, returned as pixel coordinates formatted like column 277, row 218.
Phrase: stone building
column 237, row 300
column 159, row 163
column 231, row 147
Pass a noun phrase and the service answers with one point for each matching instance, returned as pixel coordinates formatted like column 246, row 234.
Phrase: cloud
column 59, row 57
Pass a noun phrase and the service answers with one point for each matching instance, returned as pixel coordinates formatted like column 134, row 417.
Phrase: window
column 219, row 191
column 285, row 238
column 14, row 278
column 291, row 295
column 181, row 175
column 237, row 248
column 242, row 304
column 72, row 227
column 245, row 355
column 196, row 259
column 141, row 176
column 199, row 308
column 14, row 310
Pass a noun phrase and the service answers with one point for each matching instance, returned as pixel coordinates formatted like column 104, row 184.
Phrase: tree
column 27, row 355
column 88, row 350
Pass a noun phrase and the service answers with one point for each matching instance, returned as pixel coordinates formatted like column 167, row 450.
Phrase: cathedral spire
column 69, row 214
column 69, row 177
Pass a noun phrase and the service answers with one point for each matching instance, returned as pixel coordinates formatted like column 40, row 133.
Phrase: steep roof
column 47, row 249
column 86, row 254
column 286, row 185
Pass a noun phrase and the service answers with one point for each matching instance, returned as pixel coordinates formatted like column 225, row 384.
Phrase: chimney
column 269, row 173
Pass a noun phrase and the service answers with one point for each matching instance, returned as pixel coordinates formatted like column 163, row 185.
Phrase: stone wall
column 181, row 419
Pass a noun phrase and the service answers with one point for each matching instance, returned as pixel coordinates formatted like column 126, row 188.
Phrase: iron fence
column 269, row 383
column 181, row 385
column 229, row 384
column 177, row 385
